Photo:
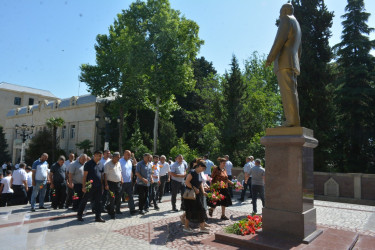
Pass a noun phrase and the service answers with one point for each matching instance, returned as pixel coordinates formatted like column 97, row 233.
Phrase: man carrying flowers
column 92, row 174
column 113, row 181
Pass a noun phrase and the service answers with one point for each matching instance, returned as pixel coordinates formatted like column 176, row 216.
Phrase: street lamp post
column 24, row 131
column 106, row 137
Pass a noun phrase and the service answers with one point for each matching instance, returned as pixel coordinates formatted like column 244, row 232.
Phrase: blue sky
column 43, row 43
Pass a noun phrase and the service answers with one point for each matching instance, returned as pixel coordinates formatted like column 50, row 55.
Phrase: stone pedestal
column 289, row 183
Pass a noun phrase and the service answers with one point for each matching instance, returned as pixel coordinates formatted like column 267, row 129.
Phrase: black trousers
column 19, row 195
column 142, row 196
column 69, row 196
column 245, row 187
column 29, row 193
column 115, row 187
column 95, row 194
column 78, row 190
column 257, row 190
column 163, row 180
column 5, row 199
column 229, row 187
column 175, row 187
column 58, row 198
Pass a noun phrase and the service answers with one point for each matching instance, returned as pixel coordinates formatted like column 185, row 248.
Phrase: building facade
column 14, row 96
column 83, row 116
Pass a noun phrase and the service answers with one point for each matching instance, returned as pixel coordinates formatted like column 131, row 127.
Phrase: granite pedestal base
column 289, row 186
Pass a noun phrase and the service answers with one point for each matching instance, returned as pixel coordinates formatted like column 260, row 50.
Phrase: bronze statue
column 285, row 53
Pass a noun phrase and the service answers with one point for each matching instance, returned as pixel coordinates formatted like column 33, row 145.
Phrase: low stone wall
column 349, row 187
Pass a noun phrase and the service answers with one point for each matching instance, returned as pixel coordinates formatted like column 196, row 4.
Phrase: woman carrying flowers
column 194, row 208
column 219, row 175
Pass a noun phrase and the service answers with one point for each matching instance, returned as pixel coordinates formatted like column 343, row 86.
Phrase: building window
column 17, row 100
column 72, row 131
column 63, row 131
column 31, row 101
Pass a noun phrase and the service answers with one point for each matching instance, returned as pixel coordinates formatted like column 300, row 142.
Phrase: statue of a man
column 286, row 52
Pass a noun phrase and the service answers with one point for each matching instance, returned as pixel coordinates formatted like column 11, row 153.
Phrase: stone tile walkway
column 59, row 229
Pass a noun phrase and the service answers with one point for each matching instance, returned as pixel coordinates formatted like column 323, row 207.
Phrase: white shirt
column 103, row 161
column 6, row 182
column 4, row 166
column 67, row 164
column 228, row 167
column 155, row 172
column 19, row 176
column 164, row 168
column 29, row 179
column 113, row 171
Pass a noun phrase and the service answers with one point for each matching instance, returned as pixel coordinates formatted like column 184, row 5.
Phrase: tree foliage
column 4, row 154
column 356, row 92
column 315, row 90
column 53, row 124
column 86, row 146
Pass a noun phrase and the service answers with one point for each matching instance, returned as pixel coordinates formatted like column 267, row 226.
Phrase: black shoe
column 33, row 210
column 141, row 212
column 100, row 219
column 112, row 216
column 54, row 208
column 150, row 205
column 249, row 197
column 160, row 201
column 133, row 212
column 42, row 208
column 118, row 212
column 146, row 210
column 240, row 199
column 79, row 218
column 175, row 209
column 61, row 207
column 157, row 208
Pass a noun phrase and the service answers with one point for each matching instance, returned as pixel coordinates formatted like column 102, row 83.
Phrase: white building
column 79, row 114
column 14, row 96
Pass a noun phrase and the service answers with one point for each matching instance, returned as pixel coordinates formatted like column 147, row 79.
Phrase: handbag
column 189, row 194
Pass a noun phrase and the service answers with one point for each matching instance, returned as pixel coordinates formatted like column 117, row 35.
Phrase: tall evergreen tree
column 356, row 93
column 234, row 92
column 316, row 97
column 4, row 154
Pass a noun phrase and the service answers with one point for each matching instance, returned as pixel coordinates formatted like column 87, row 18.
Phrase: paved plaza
column 59, row 229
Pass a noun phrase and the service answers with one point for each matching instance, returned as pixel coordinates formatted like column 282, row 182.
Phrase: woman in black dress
column 194, row 208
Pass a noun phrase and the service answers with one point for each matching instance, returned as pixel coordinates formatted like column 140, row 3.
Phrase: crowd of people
column 107, row 179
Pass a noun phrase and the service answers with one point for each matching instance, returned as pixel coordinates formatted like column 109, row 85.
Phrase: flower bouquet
column 111, row 194
column 237, row 185
column 41, row 186
column 246, row 226
column 88, row 185
column 214, row 197
column 126, row 197
column 75, row 197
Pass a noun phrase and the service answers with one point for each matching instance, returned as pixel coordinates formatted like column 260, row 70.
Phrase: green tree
column 209, row 141
column 39, row 144
column 234, row 123
column 317, row 109
column 4, row 154
column 183, row 149
column 53, row 124
column 168, row 136
column 85, row 145
column 356, row 93
column 263, row 106
column 136, row 141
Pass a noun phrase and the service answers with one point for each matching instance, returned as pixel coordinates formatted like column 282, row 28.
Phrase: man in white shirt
column 102, row 162
column 29, row 183
column 69, row 191
column 40, row 178
column 19, row 185
column 6, row 191
column 247, row 180
column 4, row 167
column 209, row 164
column 164, row 177
column 127, row 164
column 228, row 167
column 154, row 186
column 113, row 181
column 178, row 174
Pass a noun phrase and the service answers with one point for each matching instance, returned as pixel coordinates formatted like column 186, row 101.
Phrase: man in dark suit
column 285, row 53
